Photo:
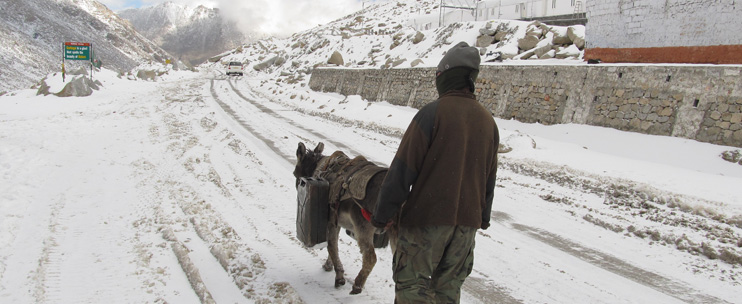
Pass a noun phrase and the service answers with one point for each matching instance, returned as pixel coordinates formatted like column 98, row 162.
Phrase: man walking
column 440, row 184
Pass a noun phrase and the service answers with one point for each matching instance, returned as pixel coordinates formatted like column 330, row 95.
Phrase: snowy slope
column 382, row 36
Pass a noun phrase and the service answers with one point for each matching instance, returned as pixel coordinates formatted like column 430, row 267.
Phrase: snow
column 144, row 191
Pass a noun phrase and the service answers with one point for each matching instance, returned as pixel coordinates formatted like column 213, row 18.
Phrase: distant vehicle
column 235, row 68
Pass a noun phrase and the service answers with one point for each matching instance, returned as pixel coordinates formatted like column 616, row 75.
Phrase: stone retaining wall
column 703, row 103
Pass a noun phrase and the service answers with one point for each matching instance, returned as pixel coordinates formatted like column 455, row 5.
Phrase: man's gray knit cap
column 461, row 55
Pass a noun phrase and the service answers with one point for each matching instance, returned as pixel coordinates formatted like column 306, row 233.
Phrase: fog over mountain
column 192, row 34
column 32, row 33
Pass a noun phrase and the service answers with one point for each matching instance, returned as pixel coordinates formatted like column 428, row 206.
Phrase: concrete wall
column 663, row 23
column 703, row 103
column 664, row 31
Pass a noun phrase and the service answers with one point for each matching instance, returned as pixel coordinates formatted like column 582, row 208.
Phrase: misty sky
column 274, row 17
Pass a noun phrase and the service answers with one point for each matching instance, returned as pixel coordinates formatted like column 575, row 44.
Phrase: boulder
column 537, row 29
column 79, row 86
column 336, row 59
column 147, row 75
column 318, row 45
column 569, row 52
column 560, row 36
column 487, row 31
column 508, row 52
column 544, row 28
column 299, row 44
column 398, row 62
column 548, row 55
column 734, row 156
column 419, row 37
column 528, row 42
column 43, row 88
column 501, row 35
column 265, row 64
column 217, row 58
column 394, row 44
column 541, row 51
column 485, row 41
column 544, row 46
column 576, row 33
column 526, row 55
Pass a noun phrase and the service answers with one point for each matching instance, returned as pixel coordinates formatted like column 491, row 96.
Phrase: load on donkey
column 336, row 192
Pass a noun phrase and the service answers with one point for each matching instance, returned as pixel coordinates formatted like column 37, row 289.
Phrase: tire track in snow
column 678, row 290
column 270, row 143
column 328, row 139
column 194, row 213
column 230, row 253
column 487, row 292
column 49, row 262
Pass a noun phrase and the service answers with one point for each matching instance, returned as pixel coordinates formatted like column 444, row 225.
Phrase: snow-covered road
column 181, row 192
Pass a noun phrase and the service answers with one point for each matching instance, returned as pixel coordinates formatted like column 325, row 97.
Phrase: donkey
column 347, row 213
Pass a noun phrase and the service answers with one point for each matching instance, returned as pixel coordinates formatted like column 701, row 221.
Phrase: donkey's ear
column 320, row 147
column 301, row 151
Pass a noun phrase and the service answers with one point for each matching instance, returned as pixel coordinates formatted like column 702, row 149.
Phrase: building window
column 573, row 2
column 516, row 8
column 553, row 3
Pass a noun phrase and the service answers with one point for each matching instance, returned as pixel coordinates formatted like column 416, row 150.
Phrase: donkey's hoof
column 339, row 282
column 356, row 290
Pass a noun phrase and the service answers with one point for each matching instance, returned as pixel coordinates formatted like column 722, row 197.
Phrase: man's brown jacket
column 444, row 170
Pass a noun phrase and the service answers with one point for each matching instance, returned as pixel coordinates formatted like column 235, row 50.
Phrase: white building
column 521, row 9
column 467, row 10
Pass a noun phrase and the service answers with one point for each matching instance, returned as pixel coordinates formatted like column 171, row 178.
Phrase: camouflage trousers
column 431, row 263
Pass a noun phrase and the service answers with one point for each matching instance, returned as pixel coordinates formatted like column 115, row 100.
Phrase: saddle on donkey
column 347, row 180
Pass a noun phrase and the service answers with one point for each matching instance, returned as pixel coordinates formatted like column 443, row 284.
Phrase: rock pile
column 79, row 84
column 539, row 41
column 733, row 156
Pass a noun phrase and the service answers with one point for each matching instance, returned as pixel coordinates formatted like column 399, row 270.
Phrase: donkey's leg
column 333, row 231
column 365, row 235
column 327, row 266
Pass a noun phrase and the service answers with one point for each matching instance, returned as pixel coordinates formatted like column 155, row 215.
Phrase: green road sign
column 77, row 51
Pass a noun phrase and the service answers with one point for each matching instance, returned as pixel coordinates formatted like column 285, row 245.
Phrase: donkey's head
column 306, row 160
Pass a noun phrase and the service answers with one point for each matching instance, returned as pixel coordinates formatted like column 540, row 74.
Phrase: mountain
column 192, row 34
column 32, row 33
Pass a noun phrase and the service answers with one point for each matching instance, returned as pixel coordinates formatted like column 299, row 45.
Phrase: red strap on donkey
column 367, row 215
